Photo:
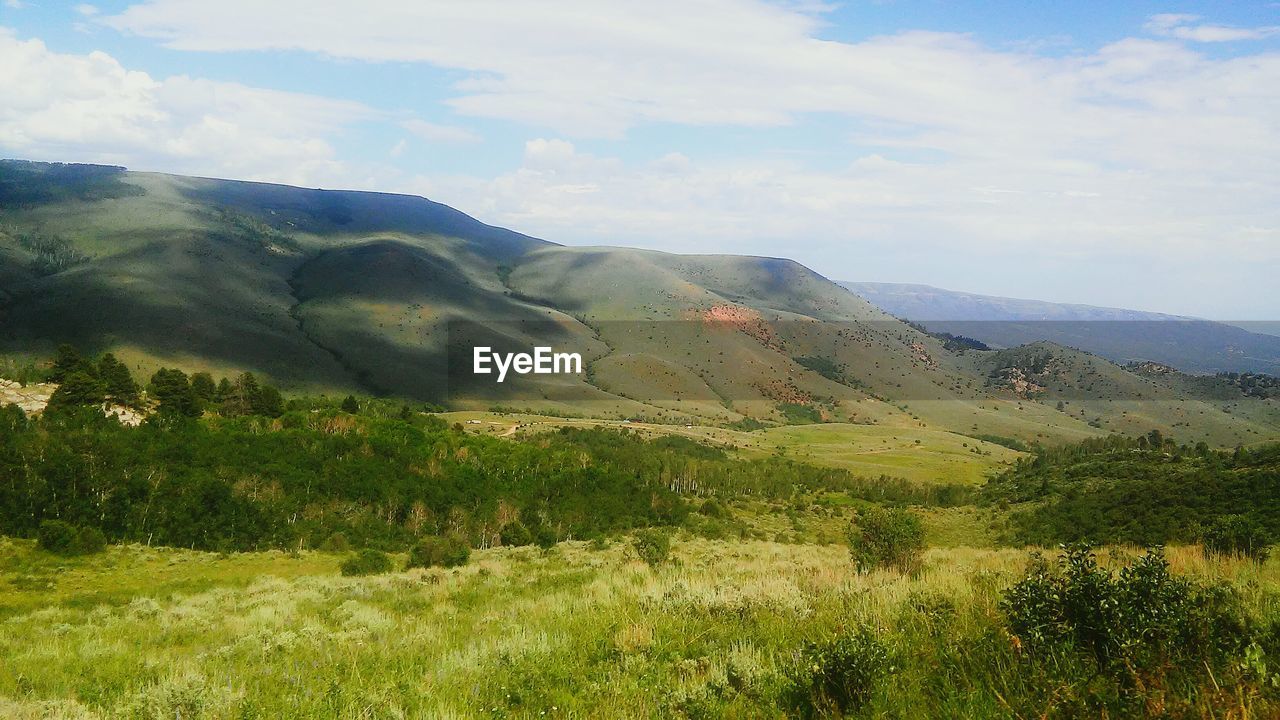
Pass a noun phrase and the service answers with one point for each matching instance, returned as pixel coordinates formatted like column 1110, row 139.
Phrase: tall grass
column 718, row 631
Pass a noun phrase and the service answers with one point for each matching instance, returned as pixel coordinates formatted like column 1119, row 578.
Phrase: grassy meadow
column 575, row 631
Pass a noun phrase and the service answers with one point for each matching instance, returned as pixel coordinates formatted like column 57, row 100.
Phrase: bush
column 1236, row 535
column 838, row 675
column 337, row 542
column 89, row 541
column 652, row 546
column 56, row 537
column 713, row 508
column 883, row 537
column 435, row 551
column 516, row 534
column 544, row 536
column 367, row 562
column 60, row 538
column 1142, row 619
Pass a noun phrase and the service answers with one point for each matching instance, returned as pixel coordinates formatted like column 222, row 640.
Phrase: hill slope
column 327, row 291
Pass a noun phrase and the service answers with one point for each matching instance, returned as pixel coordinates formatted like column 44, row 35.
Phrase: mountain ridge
column 1187, row 343
column 333, row 291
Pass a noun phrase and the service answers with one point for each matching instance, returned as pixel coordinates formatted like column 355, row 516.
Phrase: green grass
column 573, row 632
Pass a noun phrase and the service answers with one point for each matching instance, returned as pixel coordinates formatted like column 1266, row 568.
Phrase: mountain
column 1189, row 344
column 333, row 292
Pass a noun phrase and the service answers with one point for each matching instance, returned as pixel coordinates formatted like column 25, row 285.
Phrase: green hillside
column 334, row 292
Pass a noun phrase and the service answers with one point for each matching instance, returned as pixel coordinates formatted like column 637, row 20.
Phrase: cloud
column 432, row 132
column 1134, row 155
column 1184, row 27
column 90, row 108
column 87, row 10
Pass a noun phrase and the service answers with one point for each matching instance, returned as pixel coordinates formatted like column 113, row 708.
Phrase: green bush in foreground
column 886, row 537
column 60, row 538
column 652, row 546
column 367, row 562
column 838, row 675
column 1140, row 633
column 437, row 551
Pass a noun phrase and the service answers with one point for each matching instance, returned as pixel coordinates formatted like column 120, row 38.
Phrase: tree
column 350, row 405
column 224, row 391
column 516, row 534
column 78, row 389
column 203, row 388
column 246, row 396
column 67, row 361
column 886, row 537
column 117, row 381
column 172, row 389
column 267, row 401
column 1239, row 535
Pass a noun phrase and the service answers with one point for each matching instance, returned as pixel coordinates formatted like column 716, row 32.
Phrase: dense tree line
column 248, row 482
column 1145, row 490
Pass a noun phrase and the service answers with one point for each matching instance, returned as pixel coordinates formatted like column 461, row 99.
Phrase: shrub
column 89, row 541
column 435, row 551
column 350, row 405
column 65, row 539
column 516, row 534
column 1142, row 619
column 1236, row 535
column 337, row 542
column 652, row 546
column 886, row 537
column 713, row 508
column 838, row 675
column 367, row 562
column 544, row 536
column 56, row 537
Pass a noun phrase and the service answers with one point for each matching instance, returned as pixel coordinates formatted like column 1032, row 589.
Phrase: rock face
column 32, row 399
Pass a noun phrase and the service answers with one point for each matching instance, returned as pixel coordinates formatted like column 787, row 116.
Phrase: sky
column 1122, row 154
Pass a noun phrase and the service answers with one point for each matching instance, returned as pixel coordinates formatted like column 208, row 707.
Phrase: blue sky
column 1107, row 153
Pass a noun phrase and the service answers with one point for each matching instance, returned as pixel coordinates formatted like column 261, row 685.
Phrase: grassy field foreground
column 577, row 631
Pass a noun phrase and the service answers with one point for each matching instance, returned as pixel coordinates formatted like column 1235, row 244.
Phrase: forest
column 1143, row 491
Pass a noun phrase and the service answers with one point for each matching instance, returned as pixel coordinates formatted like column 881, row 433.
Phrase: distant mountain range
column 1189, row 344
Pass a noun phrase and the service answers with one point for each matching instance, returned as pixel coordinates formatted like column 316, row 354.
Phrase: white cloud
column 87, row 10
column 14, row 4
column 89, row 108
column 1141, row 152
column 1185, row 27
column 432, row 132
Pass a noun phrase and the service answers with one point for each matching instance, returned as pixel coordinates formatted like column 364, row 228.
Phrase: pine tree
column 78, row 389
column 171, row 388
column 203, row 387
column 67, row 361
column 117, row 381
